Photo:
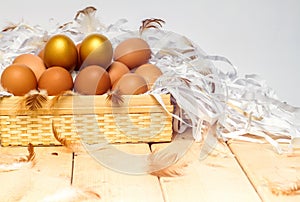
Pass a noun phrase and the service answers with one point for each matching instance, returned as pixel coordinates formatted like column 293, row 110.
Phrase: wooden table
column 233, row 171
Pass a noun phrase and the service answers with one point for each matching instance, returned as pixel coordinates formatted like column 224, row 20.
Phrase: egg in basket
column 87, row 81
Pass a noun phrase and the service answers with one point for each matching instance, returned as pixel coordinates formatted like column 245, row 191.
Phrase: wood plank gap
column 72, row 168
column 273, row 175
column 244, row 171
column 163, row 190
column 218, row 173
column 113, row 185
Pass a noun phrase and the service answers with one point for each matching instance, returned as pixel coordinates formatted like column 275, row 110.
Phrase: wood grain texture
column 217, row 177
column 239, row 171
column 50, row 174
column 113, row 185
column 272, row 174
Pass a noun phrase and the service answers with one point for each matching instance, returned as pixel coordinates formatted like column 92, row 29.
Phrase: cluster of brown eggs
column 98, row 67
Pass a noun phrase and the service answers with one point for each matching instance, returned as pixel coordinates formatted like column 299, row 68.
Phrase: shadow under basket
column 91, row 119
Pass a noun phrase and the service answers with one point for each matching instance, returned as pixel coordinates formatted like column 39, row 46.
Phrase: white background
column 258, row 36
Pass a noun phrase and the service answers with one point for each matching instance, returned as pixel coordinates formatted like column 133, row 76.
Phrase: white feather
column 15, row 166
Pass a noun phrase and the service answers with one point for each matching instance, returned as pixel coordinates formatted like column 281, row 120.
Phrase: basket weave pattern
column 146, row 122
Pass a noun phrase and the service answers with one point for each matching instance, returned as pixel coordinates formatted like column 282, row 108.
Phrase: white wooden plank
column 113, row 185
column 217, row 177
column 50, row 174
column 273, row 175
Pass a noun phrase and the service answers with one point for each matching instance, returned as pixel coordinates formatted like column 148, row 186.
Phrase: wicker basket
column 92, row 119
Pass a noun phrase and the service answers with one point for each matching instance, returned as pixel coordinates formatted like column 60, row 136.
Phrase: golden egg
column 133, row 52
column 61, row 51
column 34, row 62
column 131, row 84
column 18, row 79
column 96, row 49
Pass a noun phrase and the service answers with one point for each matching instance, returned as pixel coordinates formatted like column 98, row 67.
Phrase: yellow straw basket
column 92, row 119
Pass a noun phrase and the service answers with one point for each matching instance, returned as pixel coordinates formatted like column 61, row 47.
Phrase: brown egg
column 133, row 52
column 96, row 49
column 117, row 70
column 60, row 51
column 149, row 72
column 55, row 80
column 41, row 54
column 18, row 79
column 34, row 62
column 92, row 80
column 79, row 63
column 131, row 84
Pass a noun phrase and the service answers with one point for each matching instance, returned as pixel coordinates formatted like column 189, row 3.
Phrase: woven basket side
column 20, row 130
column 91, row 119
